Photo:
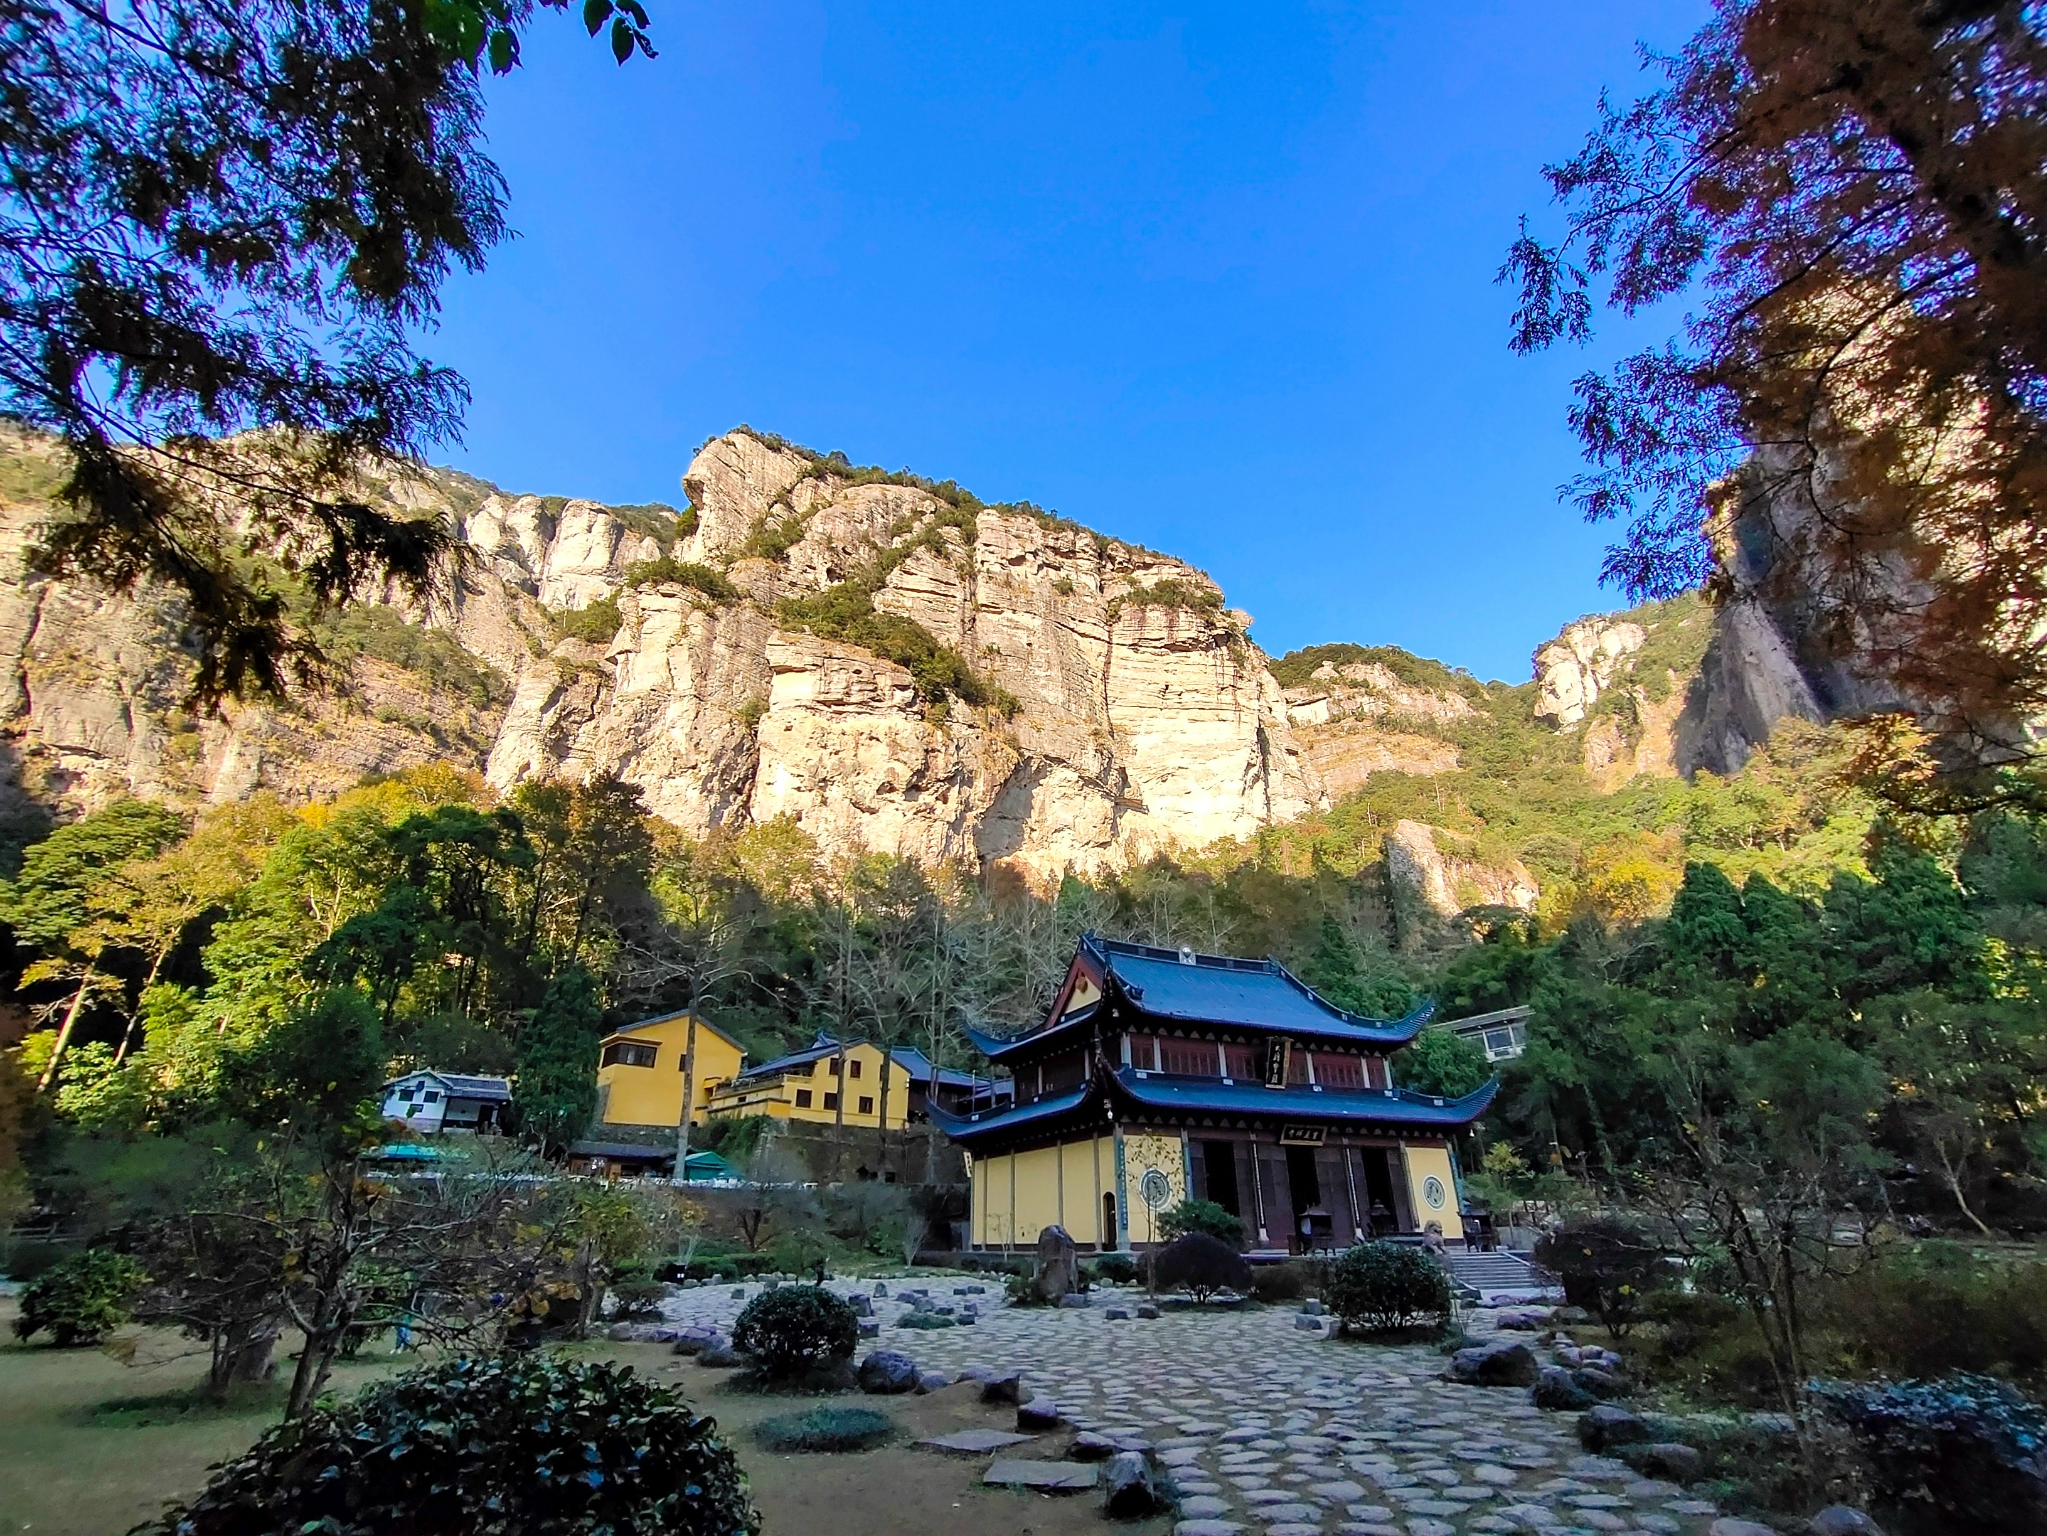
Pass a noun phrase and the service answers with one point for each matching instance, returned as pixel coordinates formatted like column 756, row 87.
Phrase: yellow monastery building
column 806, row 1086
column 641, row 1070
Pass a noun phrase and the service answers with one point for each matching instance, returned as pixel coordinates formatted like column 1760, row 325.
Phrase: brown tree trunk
column 689, row 1098
column 64, row 1032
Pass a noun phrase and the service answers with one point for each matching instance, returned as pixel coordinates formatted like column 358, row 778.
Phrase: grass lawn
column 90, row 1446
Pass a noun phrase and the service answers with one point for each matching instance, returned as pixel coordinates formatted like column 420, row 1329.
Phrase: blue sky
column 1215, row 279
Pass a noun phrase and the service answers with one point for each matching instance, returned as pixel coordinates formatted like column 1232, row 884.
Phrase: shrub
column 1202, row 1216
column 520, row 1445
column 1281, row 1282
column 82, row 1298
column 1114, row 1269
column 797, row 1328
column 670, row 571
column 1607, row 1265
column 1961, row 1453
column 1377, row 1287
column 594, row 624
column 825, row 1429
column 1202, row 1264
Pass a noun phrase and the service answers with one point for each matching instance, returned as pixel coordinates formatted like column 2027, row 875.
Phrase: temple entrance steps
column 1489, row 1272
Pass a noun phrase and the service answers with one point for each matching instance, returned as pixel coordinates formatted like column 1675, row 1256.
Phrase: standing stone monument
column 1058, row 1271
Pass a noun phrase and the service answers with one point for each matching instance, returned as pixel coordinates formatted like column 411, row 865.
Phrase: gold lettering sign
column 1302, row 1135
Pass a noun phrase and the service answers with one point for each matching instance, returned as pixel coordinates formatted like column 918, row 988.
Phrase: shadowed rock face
column 1142, row 726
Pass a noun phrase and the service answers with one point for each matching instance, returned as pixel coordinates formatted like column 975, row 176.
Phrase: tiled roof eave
column 1300, row 1102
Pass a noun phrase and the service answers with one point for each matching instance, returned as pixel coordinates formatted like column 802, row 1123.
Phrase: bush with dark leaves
column 1202, row 1264
column 1378, row 1287
column 521, row 1445
column 1607, row 1266
column 1965, row 1453
column 795, row 1329
column 81, row 1299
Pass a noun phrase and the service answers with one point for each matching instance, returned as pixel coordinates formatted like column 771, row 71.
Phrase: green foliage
column 80, row 1300
column 1297, row 668
column 796, row 1329
column 518, row 1445
column 595, row 623
column 1608, row 1266
column 1201, row 1264
column 826, row 1429
column 555, row 1090
column 773, row 537
column 1202, row 1216
column 1273, row 1283
column 1960, row 1453
column 1170, row 593
column 48, row 902
column 667, row 570
column 846, row 613
column 1441, row 1061
column 658, row 521
column 1379, row 1287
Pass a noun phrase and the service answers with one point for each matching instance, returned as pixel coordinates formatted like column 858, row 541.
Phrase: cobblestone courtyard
column 1274, row 1430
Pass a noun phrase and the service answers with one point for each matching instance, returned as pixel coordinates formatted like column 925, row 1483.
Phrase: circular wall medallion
column 1433, row 1192
column 1156, row 1188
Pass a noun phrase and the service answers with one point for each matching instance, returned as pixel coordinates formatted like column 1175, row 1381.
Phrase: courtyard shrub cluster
column 1380, row 1287
column 520, row 1445
column 795, row 1329
column 825, row 1429
column 1961, row 1453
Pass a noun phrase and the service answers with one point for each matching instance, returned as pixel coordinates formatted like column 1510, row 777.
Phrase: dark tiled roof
column 1253, row 994
column 972, row 1127
column 1353, row 1106
column 463, row 1085
column 623, row 1151
column 663, row 1018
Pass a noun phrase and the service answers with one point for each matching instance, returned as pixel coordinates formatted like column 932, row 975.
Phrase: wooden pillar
column 1350, row 1178
column 1103, row 1238
column 1258, row 1190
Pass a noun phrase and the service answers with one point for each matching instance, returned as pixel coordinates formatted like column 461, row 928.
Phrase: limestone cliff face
column 1142, row 724
column 1439, row 871
column 1132, row 712
column 1355, row 719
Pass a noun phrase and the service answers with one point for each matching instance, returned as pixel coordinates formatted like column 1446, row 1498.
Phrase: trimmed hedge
column 82, row 1298
column 1378, row 1287
column 794, row 1329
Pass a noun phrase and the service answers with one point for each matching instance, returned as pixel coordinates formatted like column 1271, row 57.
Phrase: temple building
column 1162, row 1075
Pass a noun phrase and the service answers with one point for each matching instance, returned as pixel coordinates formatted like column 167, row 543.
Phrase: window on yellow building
column 856, row 1068
column 831, row 1101
column 803, row 1098
column 866, row 1104
column 629, row 1053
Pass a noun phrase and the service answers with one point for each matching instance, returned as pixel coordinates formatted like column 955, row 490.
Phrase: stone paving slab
column 975, row 1442
column 1044, row 1476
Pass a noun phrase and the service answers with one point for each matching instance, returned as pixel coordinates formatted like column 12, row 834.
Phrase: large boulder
column 1606, row 1428
column 1499, row 1364
column 887, row 1372
column 1555, row 1390
column 1841, row 1520
column 1056, row 1274
column 1667, row 1459
column 1134, row 1490
column 1002, row 1387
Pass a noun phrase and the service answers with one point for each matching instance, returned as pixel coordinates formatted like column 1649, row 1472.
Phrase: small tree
column 1607, row 1265
column 775, row 1194
column 556, row 1089
column 1202, row 1216
column 1201, row 1264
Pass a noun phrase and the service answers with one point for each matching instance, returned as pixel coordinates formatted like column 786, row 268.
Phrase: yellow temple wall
column 1433, row 1163
column 1083, row 1194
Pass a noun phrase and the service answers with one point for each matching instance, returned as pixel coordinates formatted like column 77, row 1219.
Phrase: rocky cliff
column 889, row 663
